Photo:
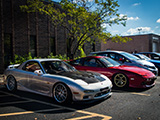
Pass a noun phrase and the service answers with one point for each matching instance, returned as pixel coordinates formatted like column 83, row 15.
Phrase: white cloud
column 132, row 18
column 136, row 4
column 129, row 18
column 142, row 30
column 158, row 21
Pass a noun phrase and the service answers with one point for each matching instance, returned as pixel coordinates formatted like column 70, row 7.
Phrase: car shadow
column 41, row 104
column 129, row 89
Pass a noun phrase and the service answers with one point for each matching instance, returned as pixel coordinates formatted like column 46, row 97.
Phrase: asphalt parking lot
column 126, row 104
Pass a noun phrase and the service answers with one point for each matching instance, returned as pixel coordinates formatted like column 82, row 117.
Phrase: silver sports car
column 57, row 79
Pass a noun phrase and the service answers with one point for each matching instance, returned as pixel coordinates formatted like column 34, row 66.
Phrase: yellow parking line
column 141, row 94
column 18, row 113
column 90, row 116
column 80, row 118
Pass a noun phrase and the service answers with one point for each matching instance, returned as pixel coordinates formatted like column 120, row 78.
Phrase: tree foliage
column 84, row 20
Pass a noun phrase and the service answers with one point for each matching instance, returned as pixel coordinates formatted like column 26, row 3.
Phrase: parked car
column 155, row 62
column 127, row 59
column 120, row 75
column 152, row 55
column 57, row 79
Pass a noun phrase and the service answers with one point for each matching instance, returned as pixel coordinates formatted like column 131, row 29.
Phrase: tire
column 120, row 80
column 61, row 93
column 11, row 83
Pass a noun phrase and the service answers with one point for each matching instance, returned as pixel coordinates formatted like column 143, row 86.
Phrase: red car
column 120, row 75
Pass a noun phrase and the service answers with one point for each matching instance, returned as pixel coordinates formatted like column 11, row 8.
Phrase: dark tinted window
column 31, row 66
column 103, row 54
column 92, row 62
column 77, row 62
column 53, row 67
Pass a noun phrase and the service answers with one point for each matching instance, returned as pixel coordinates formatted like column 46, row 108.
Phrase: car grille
column 150, row 82
column 103, row 92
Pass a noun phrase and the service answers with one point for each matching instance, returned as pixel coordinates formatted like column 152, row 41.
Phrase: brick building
column 139, row 43
column 21, row 33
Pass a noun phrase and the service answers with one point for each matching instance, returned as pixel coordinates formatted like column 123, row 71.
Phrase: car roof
column 148, row 52
column 107, row 51
column 95, row 57
column 44, row 59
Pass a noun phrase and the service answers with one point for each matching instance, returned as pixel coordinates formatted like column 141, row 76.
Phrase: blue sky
column 142, row 14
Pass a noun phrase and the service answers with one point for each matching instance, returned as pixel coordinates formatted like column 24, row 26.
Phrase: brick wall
column 139, row 43
column 21, row 25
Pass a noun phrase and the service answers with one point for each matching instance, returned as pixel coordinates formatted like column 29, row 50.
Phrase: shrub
column 20, row 59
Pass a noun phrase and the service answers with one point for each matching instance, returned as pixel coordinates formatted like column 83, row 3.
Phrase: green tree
column 84, row 20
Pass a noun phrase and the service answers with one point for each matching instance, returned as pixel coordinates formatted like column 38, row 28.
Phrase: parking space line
column 28, row 112
column 81, row 118
column 18, row 113
column 140, row 94
column 89, row 114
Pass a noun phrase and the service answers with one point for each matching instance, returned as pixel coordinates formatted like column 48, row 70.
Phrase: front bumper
column 101, row 94
column 149, row 82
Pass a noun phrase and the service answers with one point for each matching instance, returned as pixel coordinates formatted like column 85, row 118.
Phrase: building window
column 33, row 45
column 7, row 49
column 53, row 45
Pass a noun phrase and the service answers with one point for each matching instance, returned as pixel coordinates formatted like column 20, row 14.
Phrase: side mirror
column 38, row 72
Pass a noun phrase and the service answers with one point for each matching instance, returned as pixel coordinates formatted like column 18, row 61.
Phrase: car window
column 116, row 57
column 154, row 55
column 130, row 56
column 148, row 55
column 55, row 67
column 77, row 62
column 103, row 54
column 92, row 62
column 31, row 66
column 113, row 56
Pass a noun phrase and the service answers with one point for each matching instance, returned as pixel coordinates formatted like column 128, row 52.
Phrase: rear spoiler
column 13, row 66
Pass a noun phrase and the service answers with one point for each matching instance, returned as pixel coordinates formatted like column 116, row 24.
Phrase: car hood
column 88, row 77
column 144, row 62
column 134, row 69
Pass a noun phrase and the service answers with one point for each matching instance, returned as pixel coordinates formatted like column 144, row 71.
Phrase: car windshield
column 143, row 57
column 57, row 66
column 109, row 62
column 130, row 56
column 158, row 54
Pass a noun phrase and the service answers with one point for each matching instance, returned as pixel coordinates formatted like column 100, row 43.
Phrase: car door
column 35, row 82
